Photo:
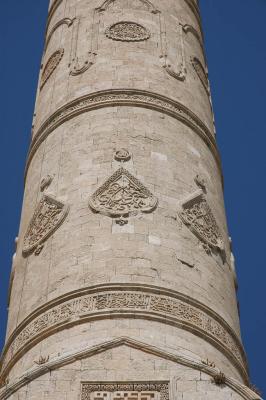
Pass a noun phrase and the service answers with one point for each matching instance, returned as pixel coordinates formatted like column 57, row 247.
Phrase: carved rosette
column 122, row 155
column 197, row 215
column 127, row 31
column 124, row 390
column 49, row 215
column 51, row 65
column 122, row 195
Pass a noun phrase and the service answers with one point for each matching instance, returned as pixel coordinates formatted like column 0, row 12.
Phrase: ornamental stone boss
column 123, row 283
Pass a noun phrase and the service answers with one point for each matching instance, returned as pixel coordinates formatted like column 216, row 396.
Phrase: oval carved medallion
column 127, row 32
column 51, row 65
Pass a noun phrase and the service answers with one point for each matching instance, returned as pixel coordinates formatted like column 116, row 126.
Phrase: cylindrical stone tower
column 123, row 282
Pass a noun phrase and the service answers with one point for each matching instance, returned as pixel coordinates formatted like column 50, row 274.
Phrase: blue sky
column 236, row 52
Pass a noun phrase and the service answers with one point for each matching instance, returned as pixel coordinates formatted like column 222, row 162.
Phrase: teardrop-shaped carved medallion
column 122, row 195
column 127, row 31
column 48, row 216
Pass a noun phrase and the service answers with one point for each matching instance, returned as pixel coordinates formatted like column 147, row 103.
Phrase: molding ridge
column 124, row 301
column 123, row 97
column 87, row 352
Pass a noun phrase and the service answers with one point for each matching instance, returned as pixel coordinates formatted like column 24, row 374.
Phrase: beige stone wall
column 148, row 276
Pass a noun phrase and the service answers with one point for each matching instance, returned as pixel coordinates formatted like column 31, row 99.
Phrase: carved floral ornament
column 126, row 31
column 48, row 216
column 51, row 65
column 197, row 215
column 131, row 390
column 122, row 195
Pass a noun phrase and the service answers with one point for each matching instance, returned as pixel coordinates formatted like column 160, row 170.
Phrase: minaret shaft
column 123, row 283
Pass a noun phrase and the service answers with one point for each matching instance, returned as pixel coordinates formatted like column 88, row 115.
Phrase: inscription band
column 123, row 97
column 127, row 301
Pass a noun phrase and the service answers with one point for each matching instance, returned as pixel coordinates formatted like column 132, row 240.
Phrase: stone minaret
column 123, row 282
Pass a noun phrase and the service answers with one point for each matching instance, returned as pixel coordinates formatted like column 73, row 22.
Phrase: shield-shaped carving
column 122, row 195
column 196, row 213
column 48, row 216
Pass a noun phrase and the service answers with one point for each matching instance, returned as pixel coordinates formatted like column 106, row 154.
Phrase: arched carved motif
column 146, row 3
column 190, row 29
column 64, row 21
column 79, row 63
column 202, row 73
column 176, row 68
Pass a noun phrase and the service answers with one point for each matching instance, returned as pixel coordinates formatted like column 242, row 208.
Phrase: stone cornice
column 88, row 352
column 123, row 97
column 124, row 301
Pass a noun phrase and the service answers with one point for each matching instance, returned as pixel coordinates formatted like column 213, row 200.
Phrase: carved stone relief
column 176, row 67
column 202, row 74
column 64, row 21
column 51, row 65
column 125, row 390
column 127, row 31
column 157, row 305
column 46, row 182
column 200, row 182
column 144, row 5
column 122, row 155
column 197, row 215
column 122, row 195
column 82, row 61
column 49, row 215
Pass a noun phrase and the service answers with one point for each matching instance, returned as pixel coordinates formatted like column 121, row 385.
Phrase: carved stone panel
column 51, row 65
column 122, row 195
column 126, row 390
column 127, row 31
column 49, row 215
column 197, row 215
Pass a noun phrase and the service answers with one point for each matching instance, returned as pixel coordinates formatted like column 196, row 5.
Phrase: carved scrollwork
column 130, row 390
column 51, row 65
column 197, row 215
column 49, row 215
column 127, row 31
column 122, row 195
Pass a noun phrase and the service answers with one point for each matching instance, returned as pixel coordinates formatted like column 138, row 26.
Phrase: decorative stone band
column 123, row 97
column 132, row 390
column 89, row 351
column 124, row 301
column 64, row 21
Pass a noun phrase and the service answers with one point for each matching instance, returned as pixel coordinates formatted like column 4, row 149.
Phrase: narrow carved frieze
column 126, row 31
column 125, row 390
column 122, row 195
column 196, row 213
column 49, row 215
column 158, row 305
column 51, row 65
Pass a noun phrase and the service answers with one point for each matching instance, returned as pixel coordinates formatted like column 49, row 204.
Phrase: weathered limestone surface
column 123, row 274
